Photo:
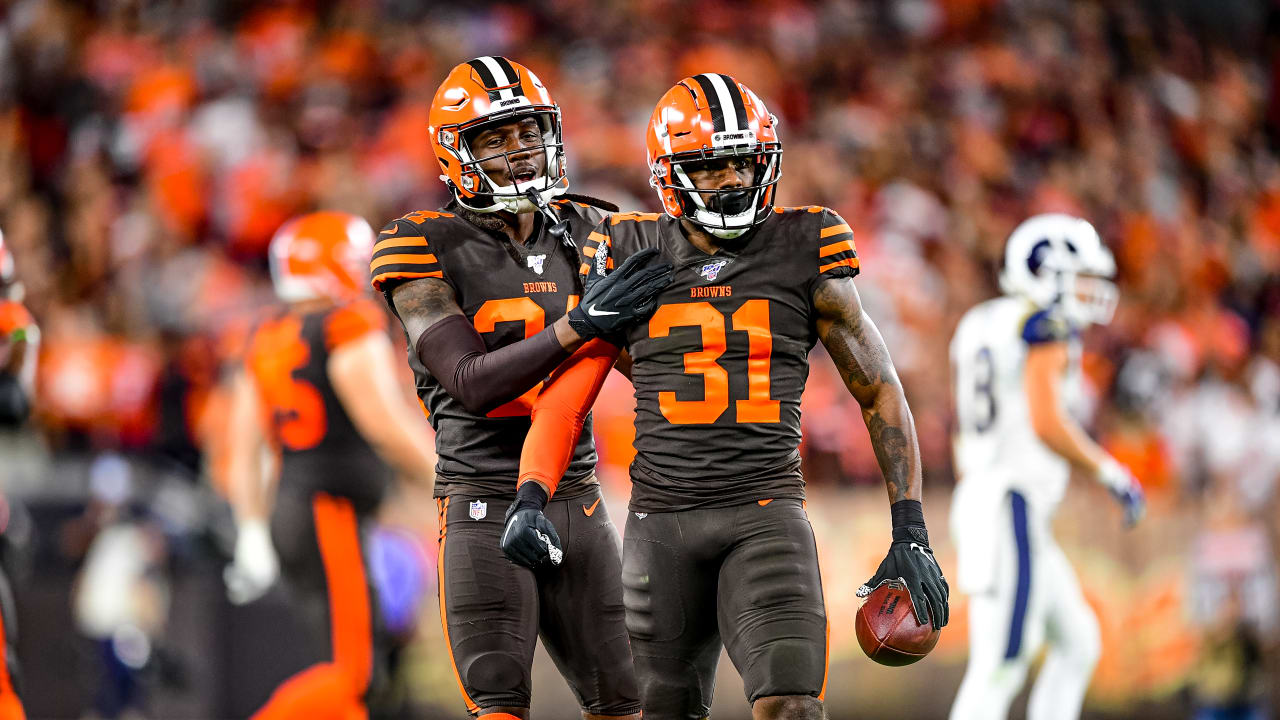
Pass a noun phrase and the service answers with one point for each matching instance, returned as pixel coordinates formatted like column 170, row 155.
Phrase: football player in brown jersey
column 488, row 292
column 19, row 337
column 718, row 548
column 319, row 387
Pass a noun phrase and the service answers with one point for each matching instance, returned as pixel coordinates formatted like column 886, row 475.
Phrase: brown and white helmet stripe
column 498, row 76
column 724, row 99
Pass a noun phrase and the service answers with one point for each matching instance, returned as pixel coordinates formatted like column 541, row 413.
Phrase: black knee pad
column 791, row 666
column 674, row 689
column 494, row 672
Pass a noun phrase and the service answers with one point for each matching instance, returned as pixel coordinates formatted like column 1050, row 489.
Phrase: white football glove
column 255, row 567
column 1125, row 488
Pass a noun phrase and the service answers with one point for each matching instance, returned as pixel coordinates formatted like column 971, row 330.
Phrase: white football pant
column 1035, row 602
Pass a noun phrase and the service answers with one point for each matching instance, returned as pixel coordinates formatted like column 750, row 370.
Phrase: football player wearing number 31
column 488, row 291
column 718, row 548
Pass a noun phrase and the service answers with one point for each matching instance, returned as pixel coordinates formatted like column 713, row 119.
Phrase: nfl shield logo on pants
column 478, row 510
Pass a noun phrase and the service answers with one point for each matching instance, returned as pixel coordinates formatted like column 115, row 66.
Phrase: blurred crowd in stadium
column 149, row 149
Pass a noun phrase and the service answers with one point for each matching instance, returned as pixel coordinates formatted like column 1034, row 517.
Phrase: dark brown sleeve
column 455, row 354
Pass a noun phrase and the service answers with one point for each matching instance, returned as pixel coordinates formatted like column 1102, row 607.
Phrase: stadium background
column 148, row 149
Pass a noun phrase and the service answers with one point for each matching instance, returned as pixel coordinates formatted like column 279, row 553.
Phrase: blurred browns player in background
column 319, row 387
column 485, row 289
column 19, row 342
column 1017, row 375
column 718, row 546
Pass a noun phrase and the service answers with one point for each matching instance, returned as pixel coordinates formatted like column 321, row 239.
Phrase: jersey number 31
column 753, row 319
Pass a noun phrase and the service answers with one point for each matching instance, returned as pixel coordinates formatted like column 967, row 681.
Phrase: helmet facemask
column 481, row 193
column 724, row 212
column 1089, row 299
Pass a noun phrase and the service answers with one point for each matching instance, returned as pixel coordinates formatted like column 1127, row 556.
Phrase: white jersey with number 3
column 996, row 448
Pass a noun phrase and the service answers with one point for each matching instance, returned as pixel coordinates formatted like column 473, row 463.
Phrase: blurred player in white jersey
column 1017, row 383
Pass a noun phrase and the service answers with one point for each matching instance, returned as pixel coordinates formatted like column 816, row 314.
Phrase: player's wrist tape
column 908, row 522
column 530, row 495
column 581, row 325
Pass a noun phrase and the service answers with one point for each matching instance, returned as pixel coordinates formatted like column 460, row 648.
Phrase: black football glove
column 529, row 538
column 911, row 560
column 614, row 302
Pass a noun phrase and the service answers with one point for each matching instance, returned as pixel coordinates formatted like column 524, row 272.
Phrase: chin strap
column 559, row 228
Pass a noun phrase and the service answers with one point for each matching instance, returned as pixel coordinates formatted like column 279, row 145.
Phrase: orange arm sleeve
column 559, row 411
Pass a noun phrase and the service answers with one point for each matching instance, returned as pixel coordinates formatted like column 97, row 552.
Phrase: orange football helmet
column 705, row 117
column 485, row 91
column 321, row 255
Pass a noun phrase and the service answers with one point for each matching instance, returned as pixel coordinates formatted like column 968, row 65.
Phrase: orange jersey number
column 521, row 309
column 296, row 406
column 753, row 319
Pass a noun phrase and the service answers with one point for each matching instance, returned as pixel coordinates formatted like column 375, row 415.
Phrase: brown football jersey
column 320, row 448
column 509, row 293
column 720, row 366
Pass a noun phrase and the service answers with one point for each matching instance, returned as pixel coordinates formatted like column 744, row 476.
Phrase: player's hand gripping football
column 1125, row 488
column 910, row 560
column 529, row 538
column 614, row 302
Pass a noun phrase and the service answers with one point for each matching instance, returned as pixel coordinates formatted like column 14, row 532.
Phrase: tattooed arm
column 859, row 353
column 422, row 303
column 863, row 360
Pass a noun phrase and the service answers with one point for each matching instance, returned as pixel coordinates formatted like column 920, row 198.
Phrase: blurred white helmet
column 1057, row 260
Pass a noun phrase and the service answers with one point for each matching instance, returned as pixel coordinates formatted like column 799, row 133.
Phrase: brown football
column 887, row 628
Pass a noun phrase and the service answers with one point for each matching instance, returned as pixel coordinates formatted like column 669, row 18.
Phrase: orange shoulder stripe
column 840, row 229
column 634, row 217
column 851, row 262
column 423, row 260
column 400, row 242
column 400, row 274
column 837, row 247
